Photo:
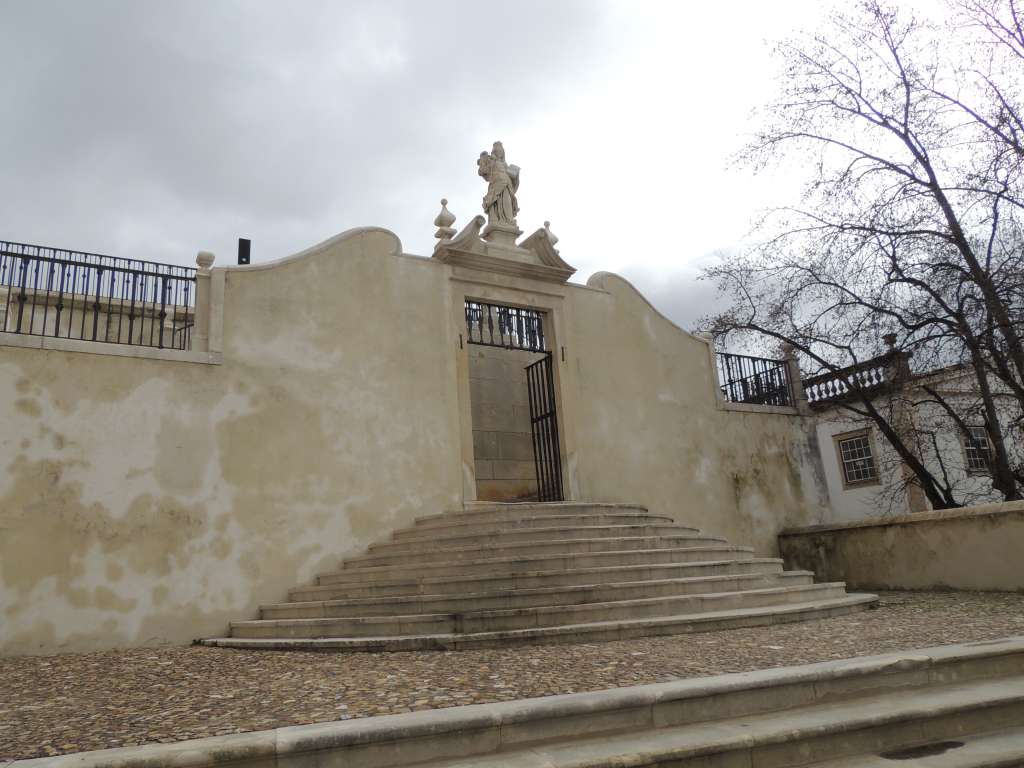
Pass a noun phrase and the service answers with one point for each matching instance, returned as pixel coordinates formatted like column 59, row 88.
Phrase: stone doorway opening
column 516, row 450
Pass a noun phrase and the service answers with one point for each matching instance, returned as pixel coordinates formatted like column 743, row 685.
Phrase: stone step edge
column 544, row 610
column 614, row 527
column 477, row 508
column 369, row 555
column 660, row 519
column 481, row 729
column 756, row 739
column 595, row 569
column 737, row 617
column 550, row 556
column 529, row 591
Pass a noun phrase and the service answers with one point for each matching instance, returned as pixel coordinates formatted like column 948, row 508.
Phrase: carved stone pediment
column 535, row 257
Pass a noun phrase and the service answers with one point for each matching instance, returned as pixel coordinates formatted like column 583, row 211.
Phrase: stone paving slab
column 69, row 703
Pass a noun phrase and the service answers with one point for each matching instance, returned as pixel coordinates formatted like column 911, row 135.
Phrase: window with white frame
column 976, row 449
column 856, row 458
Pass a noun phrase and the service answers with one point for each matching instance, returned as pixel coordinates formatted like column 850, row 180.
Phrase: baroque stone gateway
column 359, row 448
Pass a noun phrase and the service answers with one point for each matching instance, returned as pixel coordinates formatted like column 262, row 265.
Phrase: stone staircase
column 955, row 706
column 493, row 575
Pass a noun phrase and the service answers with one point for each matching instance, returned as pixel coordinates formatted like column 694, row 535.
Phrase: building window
column 976, row 449
column 856, row 459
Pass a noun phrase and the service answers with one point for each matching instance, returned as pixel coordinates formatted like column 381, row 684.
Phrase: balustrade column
column 796, row 384
column 201, row 337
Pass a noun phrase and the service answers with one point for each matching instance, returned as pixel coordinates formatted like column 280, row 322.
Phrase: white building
column 865, row 476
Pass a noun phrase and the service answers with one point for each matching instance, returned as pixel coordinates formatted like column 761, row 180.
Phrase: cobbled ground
column 52, row 705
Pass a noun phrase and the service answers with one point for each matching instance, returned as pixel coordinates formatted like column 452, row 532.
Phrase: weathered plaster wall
column 650, row 428
column 145, row 501
column 971, row 548
column 502, row 439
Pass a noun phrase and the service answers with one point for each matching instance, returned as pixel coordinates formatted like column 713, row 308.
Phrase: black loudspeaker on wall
column 243, row 250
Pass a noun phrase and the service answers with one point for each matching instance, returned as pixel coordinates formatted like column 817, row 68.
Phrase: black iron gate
column 547, row 458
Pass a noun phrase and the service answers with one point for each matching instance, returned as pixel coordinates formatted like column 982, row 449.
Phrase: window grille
column 857, row 460
column 976, row 449
column 496, row 325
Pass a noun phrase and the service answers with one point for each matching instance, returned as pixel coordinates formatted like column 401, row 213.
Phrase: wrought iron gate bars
column 38, row 278
column 497, row 325
column 544, row 426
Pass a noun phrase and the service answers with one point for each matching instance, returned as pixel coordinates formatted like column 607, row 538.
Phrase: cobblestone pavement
column 75, row 702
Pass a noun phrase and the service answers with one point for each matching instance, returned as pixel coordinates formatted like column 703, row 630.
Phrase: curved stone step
column 529, row 598
column 423, row 553
column 477, row 512
column 514, row 537
column 542, row 521
column 475, row 622
column 592, row 632
column 495, row 565
column 553, row 579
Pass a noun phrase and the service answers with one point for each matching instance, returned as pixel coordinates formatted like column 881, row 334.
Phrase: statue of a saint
column 500, row 202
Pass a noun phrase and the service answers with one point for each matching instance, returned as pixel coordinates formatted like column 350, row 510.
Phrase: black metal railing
column 496, row 325
column 754, row 380
column 55, row 292
column 870, row 376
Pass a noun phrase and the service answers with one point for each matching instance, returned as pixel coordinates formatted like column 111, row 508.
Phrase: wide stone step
column 425, row 553
column 502, row 565
column 874, row 726
column 523, row 537
column 897, row 709
column 475, row 622
column 528, row 598
column 486, row 512
column 553, row 579
column 543, row 521
column 575, row 633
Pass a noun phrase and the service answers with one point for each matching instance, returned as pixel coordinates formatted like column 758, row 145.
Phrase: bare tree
column 909, row 134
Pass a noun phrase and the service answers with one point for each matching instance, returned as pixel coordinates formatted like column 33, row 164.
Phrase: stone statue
column 500, row 202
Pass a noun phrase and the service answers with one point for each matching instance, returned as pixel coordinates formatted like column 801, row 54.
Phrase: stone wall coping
column 779, row 410
column 478, row 720
column 317, row 249
column 994, row 509
column 26, row 341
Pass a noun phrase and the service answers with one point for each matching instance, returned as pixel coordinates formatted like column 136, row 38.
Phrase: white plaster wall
column 146, row 501
column 650, row 428
column 860, row 501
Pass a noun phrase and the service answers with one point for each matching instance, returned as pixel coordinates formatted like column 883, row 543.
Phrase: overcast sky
column 154, row 129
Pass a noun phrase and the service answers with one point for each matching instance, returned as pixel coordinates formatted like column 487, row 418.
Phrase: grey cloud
column 152, row 129
column 679, row 295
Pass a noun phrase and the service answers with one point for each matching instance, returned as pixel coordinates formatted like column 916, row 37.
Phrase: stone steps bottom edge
column 804, row 736
column 474, row 621
column 571, row 633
